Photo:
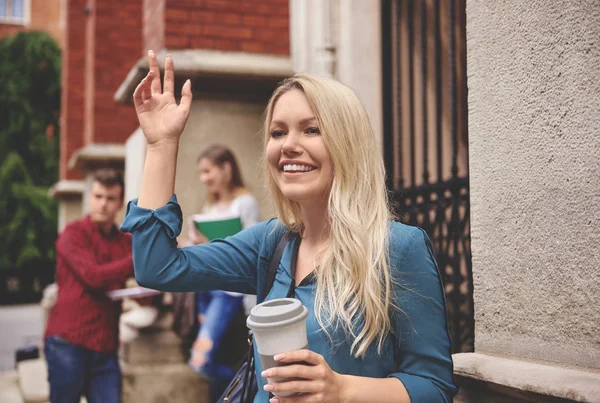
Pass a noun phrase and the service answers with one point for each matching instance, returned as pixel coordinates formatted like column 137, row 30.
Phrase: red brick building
column 26, row 15
column 106, row 40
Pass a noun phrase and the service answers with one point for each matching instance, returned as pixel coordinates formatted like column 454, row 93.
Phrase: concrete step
column 153, row 346
column 9, row 387
column 33, row 380
column 173, row 383
column 29, row 382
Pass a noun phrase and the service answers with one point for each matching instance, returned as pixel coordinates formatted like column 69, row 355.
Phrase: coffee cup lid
column 279, row 312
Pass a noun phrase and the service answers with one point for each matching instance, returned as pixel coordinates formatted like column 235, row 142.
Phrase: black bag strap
column 274, row 263
column 249, row 377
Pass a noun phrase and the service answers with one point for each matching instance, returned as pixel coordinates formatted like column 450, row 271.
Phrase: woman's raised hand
column 161, row 119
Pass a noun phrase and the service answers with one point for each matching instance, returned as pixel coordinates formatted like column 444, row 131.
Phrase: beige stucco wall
column 69, row 209
column 135, row 154
column 534, row 116
column 236, row 124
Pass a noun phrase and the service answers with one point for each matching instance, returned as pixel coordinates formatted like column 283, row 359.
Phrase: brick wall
column 46, row 16
column 8, row 30
column 154, row 25
column 228, row 25
column 73, row 71
column 125, row 29
column 118, row 47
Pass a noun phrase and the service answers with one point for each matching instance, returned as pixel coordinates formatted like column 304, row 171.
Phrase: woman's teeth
column 297, row 168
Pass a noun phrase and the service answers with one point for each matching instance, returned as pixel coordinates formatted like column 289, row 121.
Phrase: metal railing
column 425, row 140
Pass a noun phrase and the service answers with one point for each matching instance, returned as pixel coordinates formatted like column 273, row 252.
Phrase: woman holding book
column 377, row 327
column 227, row 197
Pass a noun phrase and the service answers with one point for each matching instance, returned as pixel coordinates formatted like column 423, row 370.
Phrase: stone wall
column 534, row 124
column 534, row 119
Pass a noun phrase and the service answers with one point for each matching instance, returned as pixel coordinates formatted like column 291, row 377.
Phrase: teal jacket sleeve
column 424, row 346
column 228, row 264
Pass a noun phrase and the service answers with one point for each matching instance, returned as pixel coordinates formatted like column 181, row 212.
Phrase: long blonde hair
column 353, row 280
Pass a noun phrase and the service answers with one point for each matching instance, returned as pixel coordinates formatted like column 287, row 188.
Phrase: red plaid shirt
column 89, row 263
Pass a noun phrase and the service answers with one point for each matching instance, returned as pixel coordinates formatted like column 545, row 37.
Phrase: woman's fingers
column 307, row 373
column 142, row 91
column 303, row 355
column 169, row 82
column 293, row 371
column 146, row 91
column 186, row 97
column 137, row 94
column 295, row 386
column 153, row 64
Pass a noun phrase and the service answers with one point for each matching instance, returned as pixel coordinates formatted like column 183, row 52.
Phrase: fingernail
column 268, row 388
column 274, row 400
column 150, row 52
column 168, row 55
column 279, row 357
column 266, row 374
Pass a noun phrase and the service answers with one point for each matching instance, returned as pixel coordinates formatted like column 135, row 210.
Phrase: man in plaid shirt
column 92, row 257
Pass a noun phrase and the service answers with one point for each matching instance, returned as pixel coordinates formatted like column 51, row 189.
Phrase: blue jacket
column 239, row 263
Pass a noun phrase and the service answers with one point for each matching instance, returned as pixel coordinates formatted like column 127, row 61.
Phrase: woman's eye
column 313, row 130
column 277, row 133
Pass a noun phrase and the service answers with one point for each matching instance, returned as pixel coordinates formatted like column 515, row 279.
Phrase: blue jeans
column 75, row 371
column 219, row 309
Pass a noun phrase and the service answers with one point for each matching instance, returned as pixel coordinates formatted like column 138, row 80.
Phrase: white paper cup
column 278, row 326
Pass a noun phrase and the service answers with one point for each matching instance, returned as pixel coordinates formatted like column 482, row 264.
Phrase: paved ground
column 20, row 325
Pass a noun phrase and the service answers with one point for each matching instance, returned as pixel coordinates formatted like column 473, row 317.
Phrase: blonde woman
column 377, row 323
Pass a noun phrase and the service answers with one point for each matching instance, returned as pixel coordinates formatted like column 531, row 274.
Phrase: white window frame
column 25, row 20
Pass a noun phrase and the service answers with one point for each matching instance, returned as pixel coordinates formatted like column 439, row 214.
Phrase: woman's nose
column 291, row 144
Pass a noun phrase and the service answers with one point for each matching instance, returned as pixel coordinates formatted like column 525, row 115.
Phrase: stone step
column 153, row 346
column 9, row 387
column 173, row 383
column 33, row 380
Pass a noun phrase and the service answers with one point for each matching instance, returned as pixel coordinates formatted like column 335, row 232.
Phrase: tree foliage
column 30, row 65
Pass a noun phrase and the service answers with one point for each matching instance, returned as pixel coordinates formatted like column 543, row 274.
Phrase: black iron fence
column 425, row 139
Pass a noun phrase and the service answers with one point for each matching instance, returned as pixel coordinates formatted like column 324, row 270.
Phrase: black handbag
column 243, row 387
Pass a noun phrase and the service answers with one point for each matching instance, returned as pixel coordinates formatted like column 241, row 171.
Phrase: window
column 14, row 12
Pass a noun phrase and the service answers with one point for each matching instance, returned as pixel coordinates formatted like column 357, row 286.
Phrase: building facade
column 235, row 53
column 243, row 49
column 517, row 158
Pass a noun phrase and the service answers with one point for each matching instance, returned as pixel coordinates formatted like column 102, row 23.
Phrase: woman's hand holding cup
column 161, row 119
column 307, row 376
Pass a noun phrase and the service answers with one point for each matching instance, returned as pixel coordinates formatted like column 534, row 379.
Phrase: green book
column 217, row 226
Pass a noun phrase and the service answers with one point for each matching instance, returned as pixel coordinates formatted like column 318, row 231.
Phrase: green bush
column 30, row 64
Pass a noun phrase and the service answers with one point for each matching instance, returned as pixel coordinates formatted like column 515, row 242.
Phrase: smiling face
column 216, row 178
column 296, row 153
